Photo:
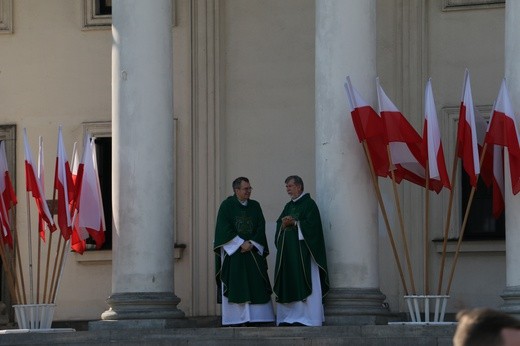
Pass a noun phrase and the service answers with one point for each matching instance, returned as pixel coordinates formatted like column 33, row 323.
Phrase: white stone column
column 142, row 162
column 346, row 45
column 511, row 294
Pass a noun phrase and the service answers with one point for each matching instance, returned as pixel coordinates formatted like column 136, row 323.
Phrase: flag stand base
column 415, row 302
column 34, row 316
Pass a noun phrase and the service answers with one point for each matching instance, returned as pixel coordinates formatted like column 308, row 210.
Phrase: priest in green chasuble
column 301, row 277
column 240, row 259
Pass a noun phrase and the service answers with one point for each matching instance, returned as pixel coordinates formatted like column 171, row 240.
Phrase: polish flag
column 77, row 244
column 466, row 134
column 492, row 169
column 404, row 142
column 89, row 205
column 502, row 130
column 370, row 128
column 8, row 197
column 498, row 181
column 432, row 145
column 41, row 178
column 64, row 185
column 33, row 186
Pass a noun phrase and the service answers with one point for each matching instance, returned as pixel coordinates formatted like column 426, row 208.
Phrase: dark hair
column 482, row 327
column 238, row 181
column 297, row 180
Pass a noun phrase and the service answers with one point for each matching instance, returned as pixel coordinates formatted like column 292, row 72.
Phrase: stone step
column 427, row 335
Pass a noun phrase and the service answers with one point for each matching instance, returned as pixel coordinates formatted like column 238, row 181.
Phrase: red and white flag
column 89, row 205
column 432, row 144
column 502, row 130
column 370, row 128
column 8, row 197
column 467, row 134
column 33, row 186
column 41, row 178
column 77, row 244
column 498, row 181
column 492, row 169
column 64, row 186
column 403, row 140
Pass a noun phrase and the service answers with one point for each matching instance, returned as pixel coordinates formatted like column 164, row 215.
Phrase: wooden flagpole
column 385, row 216
column 29, row 241
column 427, row 231
column 8, row 272
column 51, row 284
column 18, row 256
column 463, row 227
column 49, row 246
column 38, row 270
column 448, row 218
column 11, row 255
column 401, row 222
column 62, row 265
column 46, row 283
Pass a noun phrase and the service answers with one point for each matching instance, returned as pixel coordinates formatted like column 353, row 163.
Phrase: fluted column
column 346, row 45
column 142, row 162
column 511, row 294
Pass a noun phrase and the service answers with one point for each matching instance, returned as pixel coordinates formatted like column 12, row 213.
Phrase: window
column 103, row 7
column 481, row 223
column 97, row 14
column 6, row 15
column 8, row 136
column 101, row 133
column 103, row 147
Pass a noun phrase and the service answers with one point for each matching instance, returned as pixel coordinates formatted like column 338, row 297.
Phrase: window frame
column 6, row 16
column 92, row 20
column 97, row 129
column 449, row 125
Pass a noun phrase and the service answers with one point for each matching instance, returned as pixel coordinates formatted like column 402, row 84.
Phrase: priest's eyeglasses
column 246, row 188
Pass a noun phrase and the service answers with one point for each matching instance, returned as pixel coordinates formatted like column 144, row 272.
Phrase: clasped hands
column 246, row 246
column 288, row 221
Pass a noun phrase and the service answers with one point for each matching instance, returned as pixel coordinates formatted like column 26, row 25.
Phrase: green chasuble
column 292, row 277
column 243, row 275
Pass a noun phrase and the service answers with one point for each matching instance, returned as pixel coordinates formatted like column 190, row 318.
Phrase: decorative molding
column 94, row 257
column 463, row 5
column 498, row 246
column 98, row 128
column 6, row 16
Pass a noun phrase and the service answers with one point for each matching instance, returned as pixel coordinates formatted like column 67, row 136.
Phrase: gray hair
column 297, row 180
column 238, row 181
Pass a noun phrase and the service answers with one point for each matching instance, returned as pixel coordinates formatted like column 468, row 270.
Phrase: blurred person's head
column 486, row 327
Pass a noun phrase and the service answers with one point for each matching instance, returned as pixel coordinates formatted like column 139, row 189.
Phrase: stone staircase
column 372, row 335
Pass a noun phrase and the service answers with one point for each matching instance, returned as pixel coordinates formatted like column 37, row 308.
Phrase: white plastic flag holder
column 438, row 302
column 34, row 316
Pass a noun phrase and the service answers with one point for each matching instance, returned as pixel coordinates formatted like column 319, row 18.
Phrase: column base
column 511, row 297
column 142, row 306
column 355, row 306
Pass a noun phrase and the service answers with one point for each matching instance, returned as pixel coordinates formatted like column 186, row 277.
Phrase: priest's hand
column 288, row 221
column 246, row 246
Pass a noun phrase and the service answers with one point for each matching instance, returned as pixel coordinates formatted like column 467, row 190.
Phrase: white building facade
column 194, row 93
